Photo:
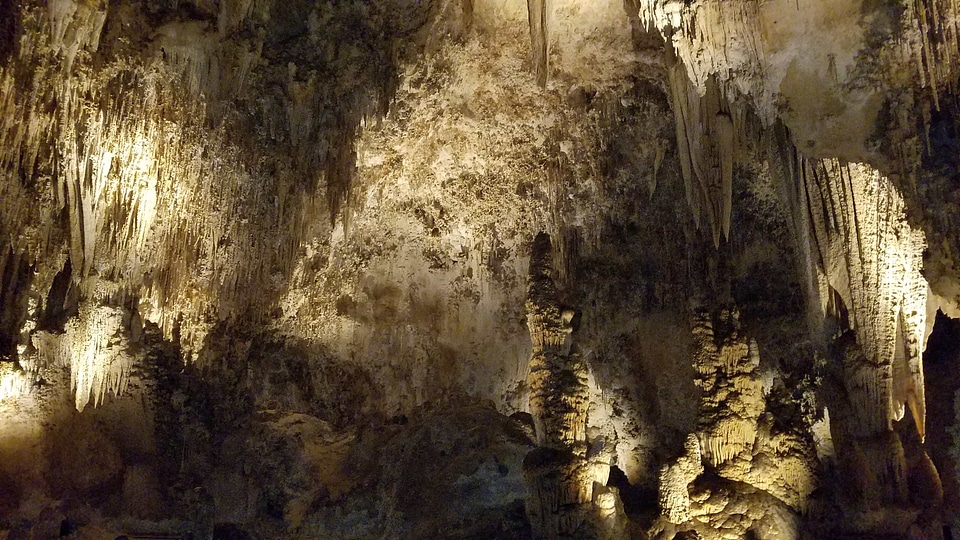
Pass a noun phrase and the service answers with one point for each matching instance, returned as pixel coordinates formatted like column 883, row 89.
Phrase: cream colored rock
column 732, row 399
column 871, row 272
column 95, row 347
column 561, row 473
column 675, row 481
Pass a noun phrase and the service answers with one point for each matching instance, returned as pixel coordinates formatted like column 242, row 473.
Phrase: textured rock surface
column 479, row 269
column 562, row 474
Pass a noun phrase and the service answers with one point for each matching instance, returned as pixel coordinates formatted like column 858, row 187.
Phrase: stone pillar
column 558, row 474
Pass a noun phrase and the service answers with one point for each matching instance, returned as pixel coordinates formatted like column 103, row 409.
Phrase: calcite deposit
column 479, row 269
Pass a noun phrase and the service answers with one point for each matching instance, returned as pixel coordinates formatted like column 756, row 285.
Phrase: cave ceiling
column 480, row 268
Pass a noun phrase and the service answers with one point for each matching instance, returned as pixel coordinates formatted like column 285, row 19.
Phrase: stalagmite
column 276, row 255
column 734, row 440
column 731, row 399
column 555, row 473
column 559, row 474
column 675, row 480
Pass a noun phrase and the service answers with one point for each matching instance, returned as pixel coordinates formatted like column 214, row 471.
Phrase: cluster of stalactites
column 95, row 346
column 750, row 49
column 934, row 43
column 868, row 265
column 741, row 41
column 868, row 444
column 707, row 133
column 75, row 26
column 151, row 194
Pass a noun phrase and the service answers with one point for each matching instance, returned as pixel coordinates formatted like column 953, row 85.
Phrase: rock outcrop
column 748, row 459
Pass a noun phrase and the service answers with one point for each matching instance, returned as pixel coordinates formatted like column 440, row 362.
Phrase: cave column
column 559, row 474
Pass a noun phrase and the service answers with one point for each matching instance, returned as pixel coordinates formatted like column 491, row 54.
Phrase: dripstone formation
column 566, row 475
column 519, row 269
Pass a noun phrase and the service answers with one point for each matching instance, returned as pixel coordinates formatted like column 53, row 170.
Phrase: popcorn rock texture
column 479, row 269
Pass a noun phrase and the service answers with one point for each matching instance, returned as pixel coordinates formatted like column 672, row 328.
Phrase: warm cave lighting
column 520, row 269
column 99, row 364
column 13, row 383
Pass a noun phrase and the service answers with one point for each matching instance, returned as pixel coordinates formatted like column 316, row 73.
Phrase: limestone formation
column 562, row 473
column 731, row 399
column 707, row 132
column 479, row 268
column 675, row 480
column 746, row 457
column 95, row 346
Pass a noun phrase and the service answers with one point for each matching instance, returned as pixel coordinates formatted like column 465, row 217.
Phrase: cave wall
column 266, row 264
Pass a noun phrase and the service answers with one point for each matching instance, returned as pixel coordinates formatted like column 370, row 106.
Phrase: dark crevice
column 942, row 381
column 57, row 311
column 9, row 25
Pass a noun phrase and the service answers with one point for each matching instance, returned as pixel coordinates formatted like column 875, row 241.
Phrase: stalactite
column 74, row 26
column 873, row 265
column 934, row 45
column 706, row 147
column 115, row 172
column 95, row 347
column 538, row 12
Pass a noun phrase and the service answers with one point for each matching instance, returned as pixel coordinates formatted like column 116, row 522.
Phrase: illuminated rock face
column 305, row 268
column 749, row 460
column 731, row 400
column 562, row 473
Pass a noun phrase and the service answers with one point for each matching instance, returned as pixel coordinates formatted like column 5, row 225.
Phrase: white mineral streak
column 13, row 382
column 822, row 438
column 870, row 258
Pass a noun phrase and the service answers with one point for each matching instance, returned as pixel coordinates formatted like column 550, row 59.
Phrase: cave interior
column 518, row 269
